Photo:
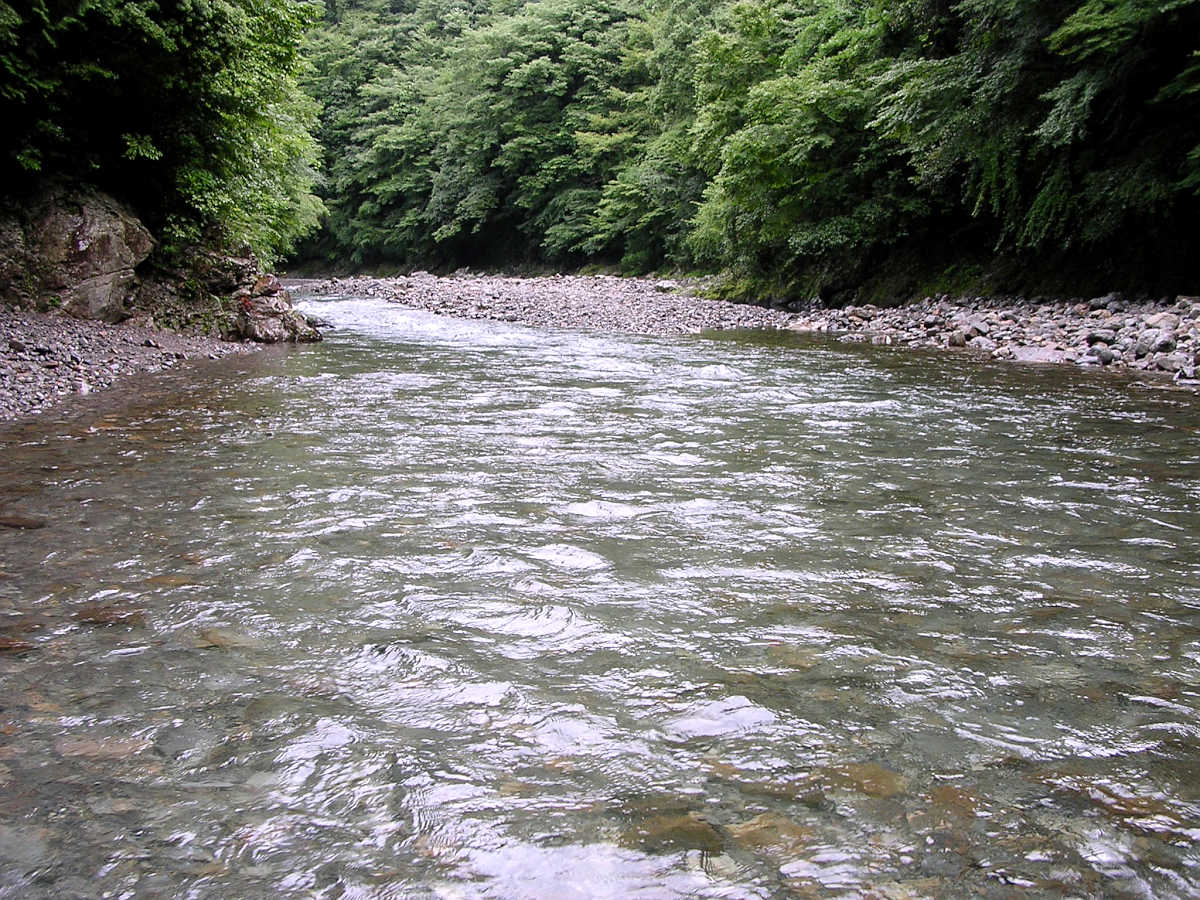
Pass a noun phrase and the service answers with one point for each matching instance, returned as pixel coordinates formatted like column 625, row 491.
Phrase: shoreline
column 47, row 358
column 1159, row 339
column 661, row 307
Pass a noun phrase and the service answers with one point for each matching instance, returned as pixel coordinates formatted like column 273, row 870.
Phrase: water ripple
column 461, row 609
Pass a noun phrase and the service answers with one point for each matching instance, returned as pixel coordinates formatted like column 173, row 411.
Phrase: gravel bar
column 45, row 358
column 1160, row 338
column 587, row 302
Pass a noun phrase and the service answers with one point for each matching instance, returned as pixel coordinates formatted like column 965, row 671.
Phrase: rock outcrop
column 225, row 294
column 72, row 249
column 75, row 249
column 265, row 314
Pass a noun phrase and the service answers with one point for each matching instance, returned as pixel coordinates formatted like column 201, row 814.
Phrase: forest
column 832, row 148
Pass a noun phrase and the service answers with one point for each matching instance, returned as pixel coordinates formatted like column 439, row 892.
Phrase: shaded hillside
column 827, row 147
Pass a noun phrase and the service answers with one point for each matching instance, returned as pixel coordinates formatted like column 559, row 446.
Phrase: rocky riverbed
column 592, row 302
column 44, row 358
column 1160, row 337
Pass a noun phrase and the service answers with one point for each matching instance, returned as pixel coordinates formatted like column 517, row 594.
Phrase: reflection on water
column 457, row 609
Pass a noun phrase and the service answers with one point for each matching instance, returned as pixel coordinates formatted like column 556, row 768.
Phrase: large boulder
column 222, row 291
column 270, row 318
column 72, row 248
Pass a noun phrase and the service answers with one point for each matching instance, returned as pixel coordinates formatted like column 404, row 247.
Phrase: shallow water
column 459, row 609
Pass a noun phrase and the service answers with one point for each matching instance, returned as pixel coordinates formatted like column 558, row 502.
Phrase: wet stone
column 110, row 614
column 28, row 523
column 871, row 779
column 23, row 848
column 14, row 645
column 793, row 657
column 667, row 833
column 224, row 639
column 770, row 830
column 101, row 748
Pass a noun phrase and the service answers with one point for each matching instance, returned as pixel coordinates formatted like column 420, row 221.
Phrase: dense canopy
column 832, row 147
column 190, row 111
column 805, row 145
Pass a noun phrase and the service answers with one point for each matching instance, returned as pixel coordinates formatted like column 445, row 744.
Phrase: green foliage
column 803, row 194
column 807, row 146
column 466, row 133
column 1069, row 127
column 192, row 111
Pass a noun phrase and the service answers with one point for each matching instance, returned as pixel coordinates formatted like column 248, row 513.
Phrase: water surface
column 460, row 609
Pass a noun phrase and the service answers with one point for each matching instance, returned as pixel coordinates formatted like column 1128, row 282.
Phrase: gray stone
column 1101, row 335
column 74, row 249
column 980, row 342
column 1164, row 320
column 977, row 325
column 1037, row 355
column 1154, row 340
column 1175, row 362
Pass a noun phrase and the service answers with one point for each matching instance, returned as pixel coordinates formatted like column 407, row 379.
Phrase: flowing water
column 460, row 609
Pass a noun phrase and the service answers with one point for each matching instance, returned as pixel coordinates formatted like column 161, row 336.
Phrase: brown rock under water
column 663, row 833
column 871, row 779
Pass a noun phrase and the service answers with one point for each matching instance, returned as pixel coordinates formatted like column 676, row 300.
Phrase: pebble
column 45, row 358
column 1160, row 336
column 588, row 302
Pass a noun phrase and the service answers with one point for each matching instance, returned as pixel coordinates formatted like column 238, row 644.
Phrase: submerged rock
column 101, row 748
column 770, row 831
column 871, row 779
column 14, row 645
column 663, row 833
column 224, row 639
column 110, row 614
column 23, row 522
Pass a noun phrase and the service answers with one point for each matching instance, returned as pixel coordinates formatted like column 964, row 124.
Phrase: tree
column 192, row 111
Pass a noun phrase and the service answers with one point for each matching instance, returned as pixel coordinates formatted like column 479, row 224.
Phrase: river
column 443, row 608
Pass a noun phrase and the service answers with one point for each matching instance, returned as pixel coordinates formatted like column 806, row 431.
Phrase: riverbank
column 1161, row 338
column 45, row 358
column 589, row 302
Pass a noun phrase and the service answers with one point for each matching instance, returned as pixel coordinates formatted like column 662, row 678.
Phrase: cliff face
column 79, row 251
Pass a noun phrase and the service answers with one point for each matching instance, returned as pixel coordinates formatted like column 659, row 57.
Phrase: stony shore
column 1160, row 337
column 591, row 302
column 45, row 358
